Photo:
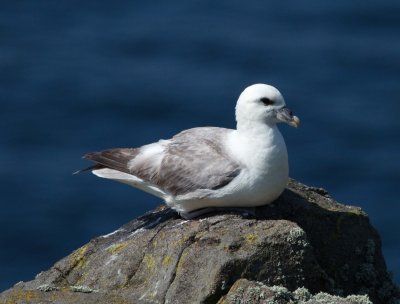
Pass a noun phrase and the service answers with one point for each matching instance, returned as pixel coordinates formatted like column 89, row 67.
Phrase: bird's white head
column 263, row 103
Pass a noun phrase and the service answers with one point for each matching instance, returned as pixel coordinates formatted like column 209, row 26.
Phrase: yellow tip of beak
column 295, row 122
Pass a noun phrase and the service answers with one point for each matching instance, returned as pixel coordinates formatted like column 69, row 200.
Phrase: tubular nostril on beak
column 286, row 115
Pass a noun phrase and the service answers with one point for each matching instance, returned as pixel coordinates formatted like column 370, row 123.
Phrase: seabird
column 208, row 167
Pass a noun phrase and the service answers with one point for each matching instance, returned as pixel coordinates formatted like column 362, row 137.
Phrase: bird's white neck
column 257, row 130
column 255, row 142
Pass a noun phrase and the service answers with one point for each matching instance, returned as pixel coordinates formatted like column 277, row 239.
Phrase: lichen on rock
column 251, row 292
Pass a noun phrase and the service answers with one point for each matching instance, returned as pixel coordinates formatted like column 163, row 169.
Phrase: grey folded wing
column 192, row 160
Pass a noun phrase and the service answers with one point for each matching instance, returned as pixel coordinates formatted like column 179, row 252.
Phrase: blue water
column 78, row 76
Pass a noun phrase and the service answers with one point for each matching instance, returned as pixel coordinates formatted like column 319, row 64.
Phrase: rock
column 304, row 239
column 245, row 291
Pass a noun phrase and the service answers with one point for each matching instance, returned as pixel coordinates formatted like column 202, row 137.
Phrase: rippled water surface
column 80, row 76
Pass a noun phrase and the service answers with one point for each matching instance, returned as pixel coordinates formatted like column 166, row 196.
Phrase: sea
column 81, row 76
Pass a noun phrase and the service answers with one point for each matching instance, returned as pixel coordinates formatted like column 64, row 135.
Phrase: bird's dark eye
column 266, row 101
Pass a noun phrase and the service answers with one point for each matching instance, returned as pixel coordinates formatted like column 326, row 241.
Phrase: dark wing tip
column 91, row 168
column 77, row 172
column 91, row 155
column 88, row 156
column 117, row 158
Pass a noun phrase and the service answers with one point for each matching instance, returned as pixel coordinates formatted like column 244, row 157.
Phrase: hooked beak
column 285, row 115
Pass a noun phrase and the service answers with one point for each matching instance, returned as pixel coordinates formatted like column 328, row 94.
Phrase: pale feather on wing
column 191, row 160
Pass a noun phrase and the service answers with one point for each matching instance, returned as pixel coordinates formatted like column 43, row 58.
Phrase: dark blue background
column 77, row 76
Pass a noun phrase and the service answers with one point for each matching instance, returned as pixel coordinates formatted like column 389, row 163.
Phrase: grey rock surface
column 304, row 239
column 245, row 291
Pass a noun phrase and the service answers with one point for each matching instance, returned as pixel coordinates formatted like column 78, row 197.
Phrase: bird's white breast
column 262, row 154
column 263, row 159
